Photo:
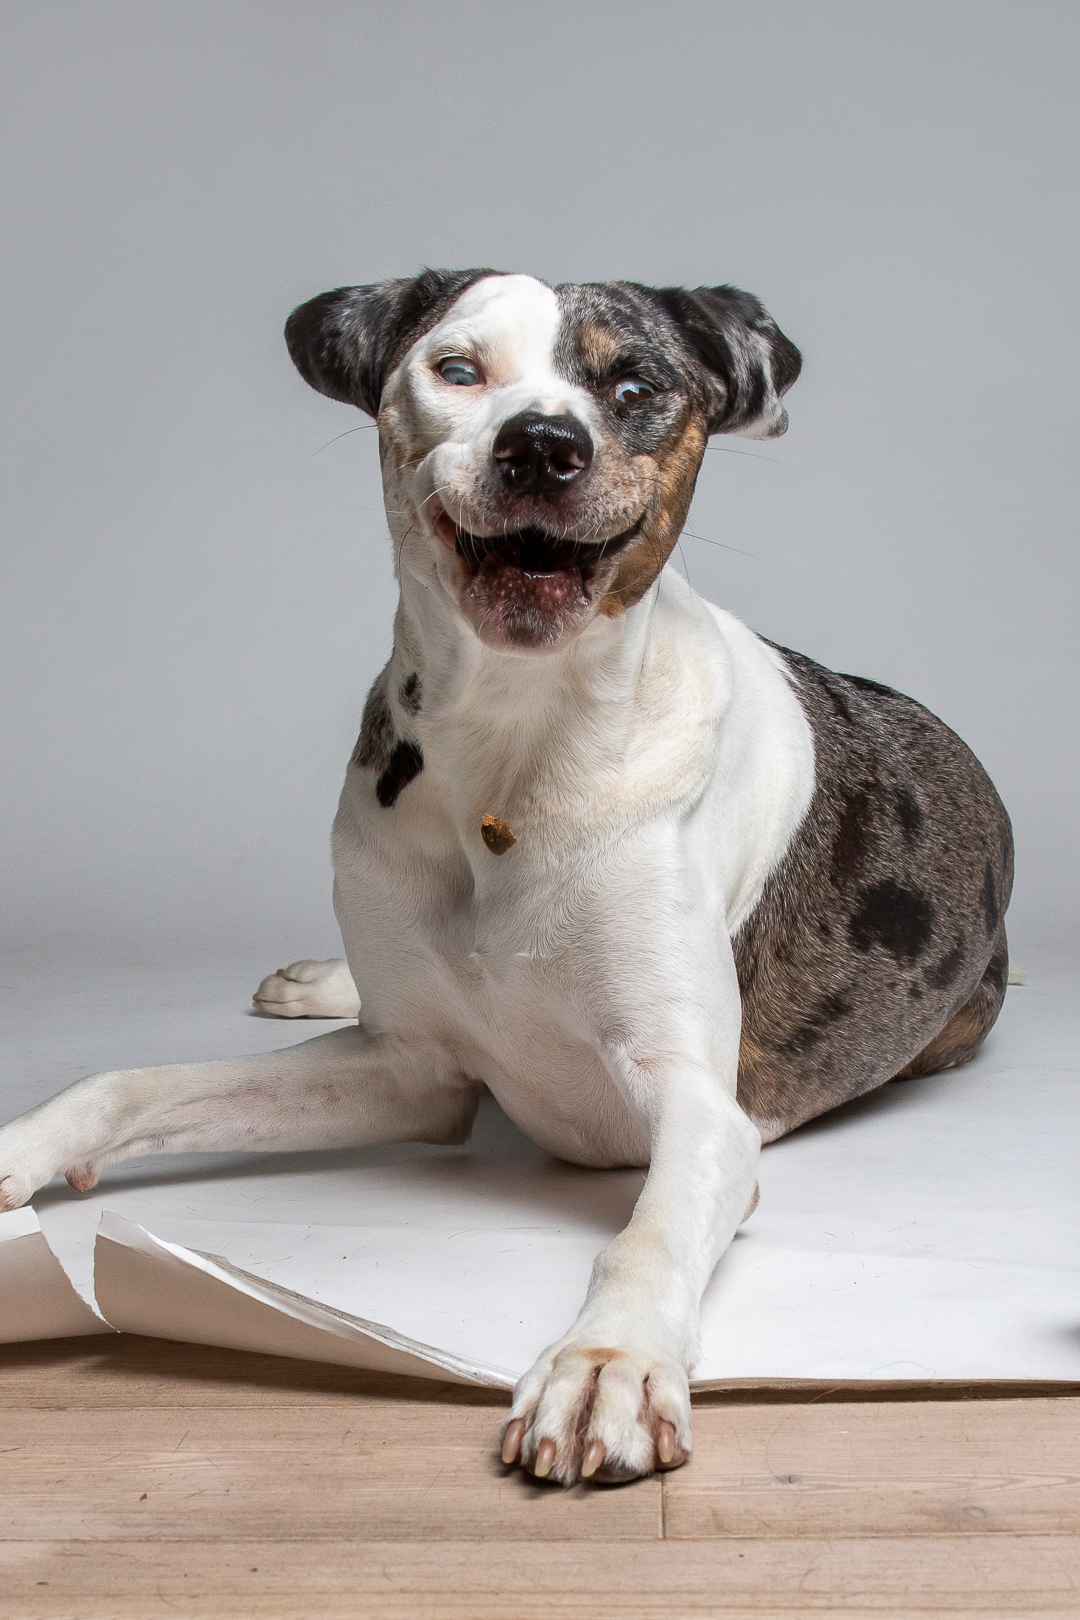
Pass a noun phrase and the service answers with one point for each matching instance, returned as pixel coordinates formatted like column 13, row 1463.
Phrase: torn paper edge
column 145, row 1285
column 36, row 1295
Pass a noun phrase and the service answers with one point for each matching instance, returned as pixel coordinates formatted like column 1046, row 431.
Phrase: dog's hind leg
column 309, row 990
column 966, row 1030
column 344, row 1089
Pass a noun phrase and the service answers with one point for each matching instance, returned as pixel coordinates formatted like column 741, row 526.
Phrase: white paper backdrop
column 927, row 1231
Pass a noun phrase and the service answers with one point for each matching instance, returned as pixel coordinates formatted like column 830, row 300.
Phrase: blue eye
column 462, row 373
column 631, row 390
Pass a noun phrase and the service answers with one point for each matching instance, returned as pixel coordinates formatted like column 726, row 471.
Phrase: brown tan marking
column 674, row 474
column 601, row 1357
column 598, row 347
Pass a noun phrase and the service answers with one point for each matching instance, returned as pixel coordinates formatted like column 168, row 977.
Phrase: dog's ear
column 345, row 343
column 749, row 362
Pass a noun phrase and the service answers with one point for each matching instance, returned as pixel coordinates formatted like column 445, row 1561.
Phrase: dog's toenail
column 595, row 1452
column 515, row 1433
column 665, row 1442
column 544, row 1459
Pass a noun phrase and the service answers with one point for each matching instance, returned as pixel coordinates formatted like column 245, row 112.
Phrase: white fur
column 653, row 770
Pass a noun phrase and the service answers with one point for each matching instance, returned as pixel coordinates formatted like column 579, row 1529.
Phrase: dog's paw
column 309, row 990
column 16, row 1189
column 25, row 1163
column 606, row 1414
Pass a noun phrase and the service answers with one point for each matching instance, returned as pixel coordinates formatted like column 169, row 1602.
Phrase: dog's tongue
column 549, row 592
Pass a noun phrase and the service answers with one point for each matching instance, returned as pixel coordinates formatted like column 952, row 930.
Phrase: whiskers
column 754, row 455
column 472, row 547
column 650, row 504
column 365, row 427
column 704, row 538
column 401, row 544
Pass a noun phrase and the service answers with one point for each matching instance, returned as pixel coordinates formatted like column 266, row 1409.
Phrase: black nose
column 541, row 455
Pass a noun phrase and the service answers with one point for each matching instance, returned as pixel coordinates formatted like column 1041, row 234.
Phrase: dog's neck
column 550, row 731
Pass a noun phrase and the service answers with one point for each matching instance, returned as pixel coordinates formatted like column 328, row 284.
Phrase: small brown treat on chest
column 497, row 835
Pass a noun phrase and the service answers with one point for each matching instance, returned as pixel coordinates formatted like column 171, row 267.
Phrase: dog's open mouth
column 526, row 587
column 535, row 555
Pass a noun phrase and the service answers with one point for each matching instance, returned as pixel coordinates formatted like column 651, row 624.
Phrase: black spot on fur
column 397, row 759
column 858, row 812
column 908, row 814
column 989, row 900
column 406, row 762
column 376, row 740
column 944, row 974
column 411, row 694
column 899, row 920
column 821, row 1019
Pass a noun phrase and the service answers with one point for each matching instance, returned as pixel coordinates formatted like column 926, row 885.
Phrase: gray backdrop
column 197, row 581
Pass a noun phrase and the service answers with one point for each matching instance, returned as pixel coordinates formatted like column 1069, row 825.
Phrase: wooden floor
column 143, row 1479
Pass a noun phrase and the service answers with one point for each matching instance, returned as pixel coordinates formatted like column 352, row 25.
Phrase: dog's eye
column 462, row 373
column 632, row 390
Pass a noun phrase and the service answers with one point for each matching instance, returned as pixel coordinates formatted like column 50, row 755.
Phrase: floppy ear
column 345, row 343
column 749, row 361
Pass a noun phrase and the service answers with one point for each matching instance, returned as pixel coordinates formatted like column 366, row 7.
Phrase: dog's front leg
column 611, row 1400
column 344, row 1089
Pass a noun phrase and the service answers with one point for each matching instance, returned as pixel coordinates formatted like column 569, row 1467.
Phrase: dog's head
column 540, row 445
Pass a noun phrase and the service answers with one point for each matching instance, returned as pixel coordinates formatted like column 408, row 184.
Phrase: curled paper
column 36, row 1299
column 146, row 1285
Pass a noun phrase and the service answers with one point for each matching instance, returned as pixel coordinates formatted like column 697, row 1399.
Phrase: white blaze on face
column 507, row 326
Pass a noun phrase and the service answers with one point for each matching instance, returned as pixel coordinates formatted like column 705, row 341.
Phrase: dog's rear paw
column 608, row 1415
column 309, row 990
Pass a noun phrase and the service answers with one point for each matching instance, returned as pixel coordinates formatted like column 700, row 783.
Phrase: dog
column 666, row 889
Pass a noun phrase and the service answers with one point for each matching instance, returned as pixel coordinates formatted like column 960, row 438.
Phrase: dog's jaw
column 525, row 603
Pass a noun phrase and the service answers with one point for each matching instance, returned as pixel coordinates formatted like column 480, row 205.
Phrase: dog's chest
column 617, row 897
column 480, row 973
